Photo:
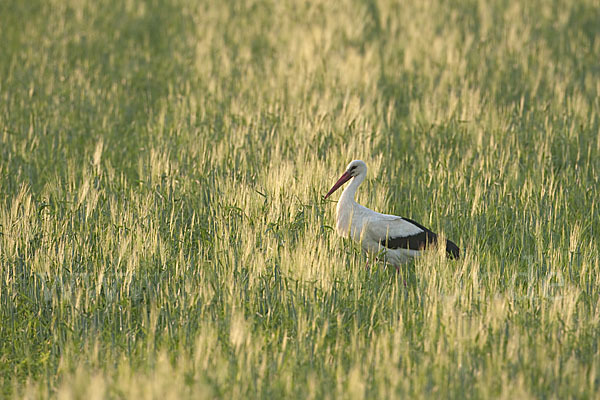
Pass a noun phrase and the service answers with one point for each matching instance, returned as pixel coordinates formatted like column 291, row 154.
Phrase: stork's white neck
column 346, row 205
column 350, row 192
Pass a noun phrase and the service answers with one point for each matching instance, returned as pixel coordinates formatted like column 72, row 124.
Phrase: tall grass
column 162, row 228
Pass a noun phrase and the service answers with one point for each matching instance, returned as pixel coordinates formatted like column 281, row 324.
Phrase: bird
column 398, row 239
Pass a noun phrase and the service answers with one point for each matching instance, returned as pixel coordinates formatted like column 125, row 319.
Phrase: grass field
column 162, row 169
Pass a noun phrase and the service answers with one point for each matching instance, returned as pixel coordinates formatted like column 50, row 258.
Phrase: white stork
column 401, row 238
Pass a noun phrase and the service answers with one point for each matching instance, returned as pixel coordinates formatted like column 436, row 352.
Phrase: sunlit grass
column 162, row 228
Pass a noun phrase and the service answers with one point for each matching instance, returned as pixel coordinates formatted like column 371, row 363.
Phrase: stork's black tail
column 452, row 250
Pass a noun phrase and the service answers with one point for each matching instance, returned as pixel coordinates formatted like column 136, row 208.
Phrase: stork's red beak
column 343, row 179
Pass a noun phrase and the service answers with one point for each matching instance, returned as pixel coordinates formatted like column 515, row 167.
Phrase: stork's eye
column 352, row 169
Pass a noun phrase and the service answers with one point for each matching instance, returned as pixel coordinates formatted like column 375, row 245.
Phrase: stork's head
column 354, row 169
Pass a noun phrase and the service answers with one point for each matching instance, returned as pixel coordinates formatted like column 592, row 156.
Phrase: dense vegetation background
column 162, row 228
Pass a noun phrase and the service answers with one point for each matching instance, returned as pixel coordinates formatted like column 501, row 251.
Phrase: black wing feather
column 419, row 241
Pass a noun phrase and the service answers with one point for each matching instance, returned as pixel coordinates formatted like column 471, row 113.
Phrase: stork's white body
column 370, row 228
column 401, row 238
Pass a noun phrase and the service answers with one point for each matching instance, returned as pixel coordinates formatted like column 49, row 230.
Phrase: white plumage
column 401, row 238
